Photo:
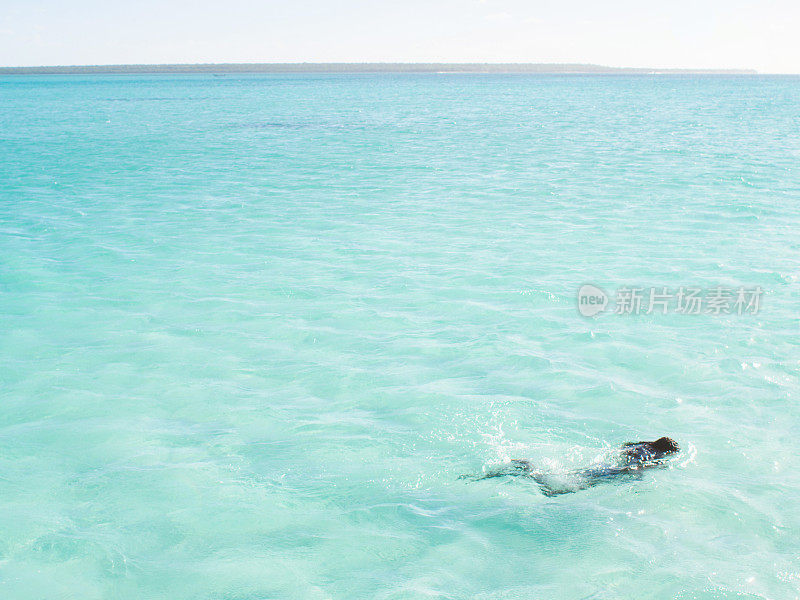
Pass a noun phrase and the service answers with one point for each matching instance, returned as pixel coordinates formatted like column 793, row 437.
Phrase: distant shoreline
column 242, row 68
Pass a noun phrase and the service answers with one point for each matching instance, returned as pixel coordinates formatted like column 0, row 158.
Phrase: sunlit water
column 254, row 328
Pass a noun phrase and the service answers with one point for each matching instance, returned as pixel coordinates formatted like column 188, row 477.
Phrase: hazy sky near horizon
column 681, row 33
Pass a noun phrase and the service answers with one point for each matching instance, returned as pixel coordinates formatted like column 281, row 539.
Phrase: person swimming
column 633, row 458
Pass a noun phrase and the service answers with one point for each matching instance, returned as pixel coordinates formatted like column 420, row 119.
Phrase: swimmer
column 633, row 458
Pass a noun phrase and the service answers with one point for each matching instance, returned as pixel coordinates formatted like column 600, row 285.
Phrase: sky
column 762, row 35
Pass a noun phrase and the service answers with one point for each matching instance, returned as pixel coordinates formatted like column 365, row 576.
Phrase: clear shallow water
column 252, row 329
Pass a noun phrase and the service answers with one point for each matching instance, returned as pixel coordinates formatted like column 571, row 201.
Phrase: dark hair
column 640, row 452
column 665, row 444
column 662, row 444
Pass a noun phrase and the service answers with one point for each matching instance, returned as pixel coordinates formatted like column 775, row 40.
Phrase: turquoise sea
column 253, row 328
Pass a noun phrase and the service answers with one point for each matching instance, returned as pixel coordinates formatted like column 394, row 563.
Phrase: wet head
column 644, row 452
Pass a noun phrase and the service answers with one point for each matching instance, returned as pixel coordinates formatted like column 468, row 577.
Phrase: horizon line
column 362, row 67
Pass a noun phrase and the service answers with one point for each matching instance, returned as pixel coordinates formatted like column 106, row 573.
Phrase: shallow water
column 254, row 328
